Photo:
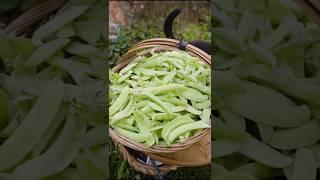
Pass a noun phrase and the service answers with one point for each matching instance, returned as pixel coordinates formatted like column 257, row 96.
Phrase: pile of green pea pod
column 161, row 99
column 53, row 95
column 266, row 122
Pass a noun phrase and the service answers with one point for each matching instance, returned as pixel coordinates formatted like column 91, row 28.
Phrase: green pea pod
column 157, row 101
column 205, row 116
column 232, row 119
column 170, row 126
column 127, row 127
column 272, row 108
column 164, row 89
column 58, row 22
column 42, row 115
column 128, row 68
column 184, row 128
column 217, row 170
column 265, row 131
column 200, row 87
column 225, row 81
column 87, row 30
column 127, row 111
column 295, row 138
column 221, row 131
column 65, row 32
column 258, row 170
column 193, row 110
column 228, row 40
column 137, row 137
column 164, row 116
column 43, row 142
column 203, row 105
column 144, row 129
column 58, row 156
column 96, row 136
column 81, row 49
column 304, row 165
column 194, row 95
column 234, row 175
column 46, row 51
column 263, row 55
column 223, row 147
column 119, row 103
column 264, row 154
column 86, row 169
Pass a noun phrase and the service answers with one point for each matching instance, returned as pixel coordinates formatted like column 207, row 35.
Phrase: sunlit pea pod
column 235, row 176
column 203, row 105
column 304, row 165
column 222, row 147
column 258, row 170
column 57, row 157
column 193, row 110
column 205, row 116
column 143, row 127
column 299, row 137
column 264, row 154
column 164, row 116
column 129, row 120
column 46, row 51
column 170, row 126
column 127, row 127
column 127, row 68
column 173, row 100
column 194, row 95
column 172, row 108
column 157, row 101
column 123, row 78
column 137, row 137
column 127, row 111
column 168, row 77
column 41, row 115
column 120, row 101
column 164, row 89
column 228, row 82
column 147, row 109
column 184, row 128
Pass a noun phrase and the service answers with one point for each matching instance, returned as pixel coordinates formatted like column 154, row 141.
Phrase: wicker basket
column 144, row 48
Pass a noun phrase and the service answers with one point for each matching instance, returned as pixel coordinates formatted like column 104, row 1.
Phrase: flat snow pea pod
column 58, row 156
column 173, row 100
column 235, row 176
column 127, row 68
column 200, row 87
column 264, row 154
column 58, row 22
column 164, row 116
column 168, row 77
column 137, row 137
column 120, row 101
column 232, row 119
column 203, row 105
column 287, row 83
column 87, row 30
column 127, row 111
column 41, row 115
column 157, row 101
column 127, row 127
column 46, row 51
column 295, row 138
column 184, row 128
column 258, row 170
column 223, row 147
column 217, row 170
column 304, row 165
column 144, row 127
column 228, row 82
column 267, row 106
column 65, row 32
column 194, row 95
column 205, row 116
column 86, row 169
column 164, row 89
column 265, row 131
column 170, row 126
column 43, row 142
column 96, row 136
column 228, row 40
column 193, row 110
column 263, row 55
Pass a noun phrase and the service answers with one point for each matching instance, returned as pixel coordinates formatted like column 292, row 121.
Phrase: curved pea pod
column 205, row 116
column 193, row 110
column 144, row 127
column 157, row 101
column 267, row 106
column 200, row 87
column 287, row 83
column 170, row 126
column 304, row 165
column 86, row 169
column 203, row 105
column 263, row 55
column 46, row 51
column 164, row 89
column 58, row 156
column 173, row 100
column 234, row 175
column 295, row 138
column 232, row 119
column 87, row 30
column 194, row 95
column 265, row 131
column 137, row 137
column 41, row 115
column 127, row 111
column 228, row 40
column 217, row 170
column 228, row 82
column 58, row 22
column 127, row 127
column 184, row 128
column 96, row 136
column 263, row 154
column 120, row 101
column 221, row 131
column 164, row 116
column 4, row 108
column 258, row 170
column 222, row 147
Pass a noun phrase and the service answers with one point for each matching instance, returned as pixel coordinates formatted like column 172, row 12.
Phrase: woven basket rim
column 169, row 44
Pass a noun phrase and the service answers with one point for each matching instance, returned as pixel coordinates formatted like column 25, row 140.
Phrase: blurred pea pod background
column 267, row 87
